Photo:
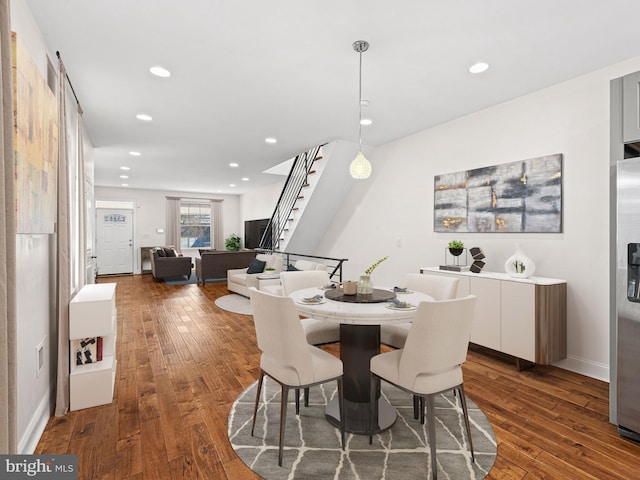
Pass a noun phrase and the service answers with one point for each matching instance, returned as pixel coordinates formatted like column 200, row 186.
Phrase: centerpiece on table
column 365, row 285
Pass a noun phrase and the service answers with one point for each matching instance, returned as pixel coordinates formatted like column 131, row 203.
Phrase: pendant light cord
column 360, row 104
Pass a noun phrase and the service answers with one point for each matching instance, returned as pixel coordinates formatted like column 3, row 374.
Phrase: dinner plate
column 396, row 307
column 312, row 302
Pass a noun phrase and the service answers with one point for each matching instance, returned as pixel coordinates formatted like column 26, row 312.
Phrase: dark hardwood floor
column 182, row 361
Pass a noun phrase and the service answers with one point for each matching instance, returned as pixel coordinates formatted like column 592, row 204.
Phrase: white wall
column 35, row 285
column 260, row 203
column 392, row 212
column 150, row 213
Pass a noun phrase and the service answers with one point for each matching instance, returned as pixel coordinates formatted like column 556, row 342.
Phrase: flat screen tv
column 253, row 231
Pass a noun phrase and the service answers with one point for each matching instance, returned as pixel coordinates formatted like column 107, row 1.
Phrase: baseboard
column 29, row 440
column 585, row 367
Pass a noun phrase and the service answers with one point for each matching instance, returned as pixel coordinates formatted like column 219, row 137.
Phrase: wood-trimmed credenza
column 522, row 317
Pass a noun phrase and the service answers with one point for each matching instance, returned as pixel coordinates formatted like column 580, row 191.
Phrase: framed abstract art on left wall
column 36, row 144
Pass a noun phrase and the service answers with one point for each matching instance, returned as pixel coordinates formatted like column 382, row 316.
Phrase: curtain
column 62, row 251
column 216, row 225
column 172, row 236
column 82, row 206
column 8, row 323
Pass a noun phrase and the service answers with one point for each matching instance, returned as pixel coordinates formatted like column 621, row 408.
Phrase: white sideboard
column 522, row 317
column 92, row 314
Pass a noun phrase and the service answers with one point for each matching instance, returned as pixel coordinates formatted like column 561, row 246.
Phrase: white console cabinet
column 92, row 314
column 522, row 317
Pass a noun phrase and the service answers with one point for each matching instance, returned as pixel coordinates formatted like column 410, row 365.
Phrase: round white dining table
column 359, row 341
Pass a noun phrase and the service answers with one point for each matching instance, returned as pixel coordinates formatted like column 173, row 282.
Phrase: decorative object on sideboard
column 519, row 265
column 453, row 257
column 365, row 285
column 478, row 256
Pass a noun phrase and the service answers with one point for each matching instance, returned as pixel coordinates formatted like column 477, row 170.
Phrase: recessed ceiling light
column 159, row 71
column 135, row 154
column 125, row 184
column 144, row 117
column 366, row 121
column 270, row 140
column 479, row 67
column 234, row 165
column 245, row 179
column 124, row 176
column 232, row 185
column 124, row 168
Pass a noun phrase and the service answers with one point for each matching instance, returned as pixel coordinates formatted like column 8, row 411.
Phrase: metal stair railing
column 334, row 265
column 291, row 193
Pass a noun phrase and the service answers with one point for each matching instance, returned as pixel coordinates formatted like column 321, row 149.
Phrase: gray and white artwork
column 517, row 197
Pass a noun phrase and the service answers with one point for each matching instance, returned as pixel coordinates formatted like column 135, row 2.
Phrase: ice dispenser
column 633, row 272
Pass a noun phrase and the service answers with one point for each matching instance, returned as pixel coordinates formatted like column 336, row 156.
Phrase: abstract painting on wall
column 516, row 197
column 36, row 145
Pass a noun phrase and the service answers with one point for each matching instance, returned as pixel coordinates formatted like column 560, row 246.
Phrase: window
column 195, row 225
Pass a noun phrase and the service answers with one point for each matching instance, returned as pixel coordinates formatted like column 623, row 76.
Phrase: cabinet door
column 486, row 321
column 518, row 319
column 631, row 108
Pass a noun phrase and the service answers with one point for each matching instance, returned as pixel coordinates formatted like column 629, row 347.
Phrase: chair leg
column 255, row 407
column 341, row 404
column 466, row 419
column 421, row 401
column 283, row 419
column 373, row 405
column 297, row 401
column 431, row 431
column 416, row 407
column 306, row 397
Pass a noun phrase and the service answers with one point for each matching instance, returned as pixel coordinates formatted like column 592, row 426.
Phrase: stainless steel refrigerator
column 628, row 297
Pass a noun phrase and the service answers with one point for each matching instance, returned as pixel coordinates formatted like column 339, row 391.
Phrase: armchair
column 163, row 266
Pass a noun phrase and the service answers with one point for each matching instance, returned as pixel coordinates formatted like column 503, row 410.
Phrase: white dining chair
column 318, row 332
column 287, row 357
column 430, row 362
column 437, row 287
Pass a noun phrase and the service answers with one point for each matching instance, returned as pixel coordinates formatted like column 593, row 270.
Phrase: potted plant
column 365, row 286
column 232, row 243
column 456, row 247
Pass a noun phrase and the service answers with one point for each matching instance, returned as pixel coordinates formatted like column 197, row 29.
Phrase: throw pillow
column 291, row 268
column 161, row 252
column 170, row 252
column 256, row 266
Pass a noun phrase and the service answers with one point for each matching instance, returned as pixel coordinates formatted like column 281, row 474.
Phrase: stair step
column 300, row 197
column 305, row 185
column 311, row 172
column 295, row 208
column 319, row 157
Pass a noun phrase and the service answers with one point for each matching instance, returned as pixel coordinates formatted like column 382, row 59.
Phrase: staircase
column 317, row 184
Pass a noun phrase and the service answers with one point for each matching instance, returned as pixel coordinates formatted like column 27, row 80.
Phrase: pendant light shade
column 360, row 167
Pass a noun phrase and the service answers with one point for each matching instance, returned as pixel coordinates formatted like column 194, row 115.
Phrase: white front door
column 114, row 241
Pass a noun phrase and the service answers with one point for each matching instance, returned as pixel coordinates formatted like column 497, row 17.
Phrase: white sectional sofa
column 239, row 281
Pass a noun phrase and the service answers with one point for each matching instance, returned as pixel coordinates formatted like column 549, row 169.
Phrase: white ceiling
column 244, row 70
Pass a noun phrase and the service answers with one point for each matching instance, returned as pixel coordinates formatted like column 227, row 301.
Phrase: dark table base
column 358, row 343
column 357, row 416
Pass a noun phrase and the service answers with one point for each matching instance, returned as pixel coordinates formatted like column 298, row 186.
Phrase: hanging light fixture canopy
column 360, row 167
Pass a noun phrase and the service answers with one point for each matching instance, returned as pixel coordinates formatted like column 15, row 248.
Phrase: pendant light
column 360, row 167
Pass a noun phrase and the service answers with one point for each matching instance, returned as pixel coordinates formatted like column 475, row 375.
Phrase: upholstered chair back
column 437, row 287
column 437, row 345
column 292, row 281
column 285, row 351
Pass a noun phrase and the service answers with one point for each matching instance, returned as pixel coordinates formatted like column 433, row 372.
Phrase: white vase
column 519, row 265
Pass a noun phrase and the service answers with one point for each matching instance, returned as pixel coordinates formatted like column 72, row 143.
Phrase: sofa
column 213, row 265
column 239, row 280
column 275, row 288
column 166, row 262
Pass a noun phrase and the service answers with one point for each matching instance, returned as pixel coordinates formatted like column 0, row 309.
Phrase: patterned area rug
column 235, row 303
column 312, row 446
